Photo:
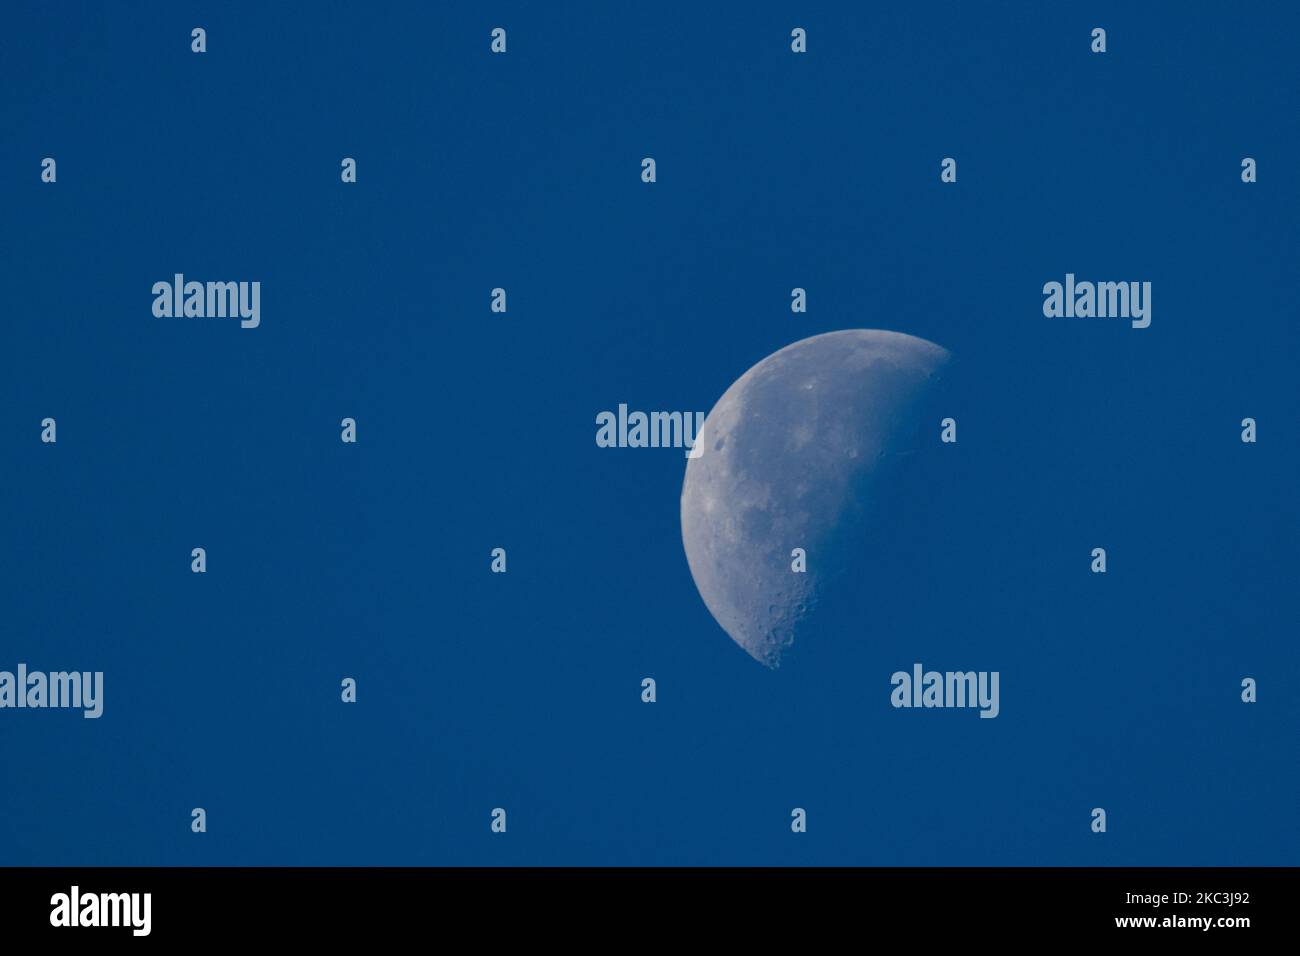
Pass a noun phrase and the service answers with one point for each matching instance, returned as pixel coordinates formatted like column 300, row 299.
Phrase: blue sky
column 477, row 430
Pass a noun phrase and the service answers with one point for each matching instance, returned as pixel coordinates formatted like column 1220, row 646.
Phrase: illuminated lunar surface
column 797, row 454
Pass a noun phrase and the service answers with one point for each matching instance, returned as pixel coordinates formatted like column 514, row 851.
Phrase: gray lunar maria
column 795, row 455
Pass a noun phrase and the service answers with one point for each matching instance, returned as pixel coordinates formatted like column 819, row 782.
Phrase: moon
column 800, row 453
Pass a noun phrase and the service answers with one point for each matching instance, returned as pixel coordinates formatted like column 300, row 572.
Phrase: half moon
column 796, row 454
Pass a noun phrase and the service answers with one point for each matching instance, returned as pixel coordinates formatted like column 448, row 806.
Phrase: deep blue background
column 477, row 430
